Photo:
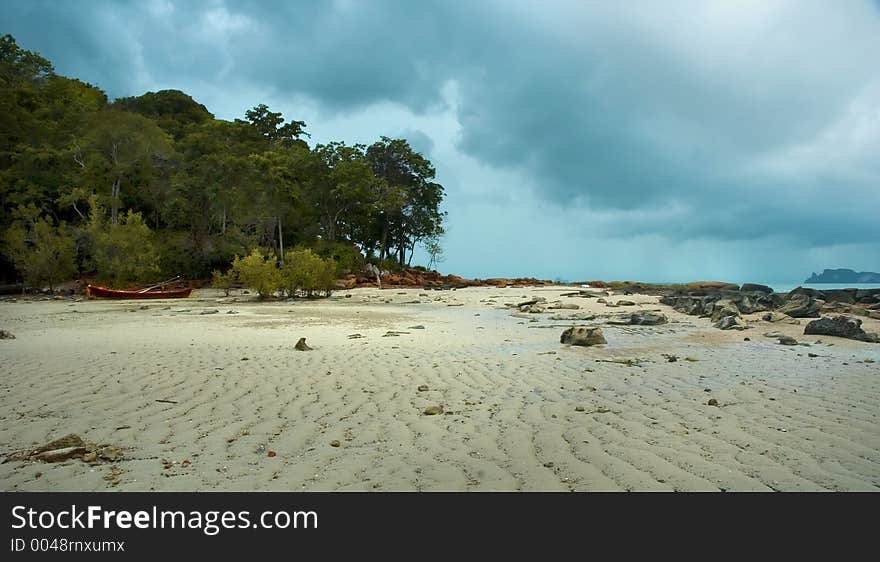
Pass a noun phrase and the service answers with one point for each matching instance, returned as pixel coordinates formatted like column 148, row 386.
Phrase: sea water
column 784, row 287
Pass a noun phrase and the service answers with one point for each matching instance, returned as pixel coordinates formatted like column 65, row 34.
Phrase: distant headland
column 844, row 276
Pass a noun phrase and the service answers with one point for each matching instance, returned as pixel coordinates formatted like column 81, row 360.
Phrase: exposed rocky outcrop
column 417, row 278
column 842, row 327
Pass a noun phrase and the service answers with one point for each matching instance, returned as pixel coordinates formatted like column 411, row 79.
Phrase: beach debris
column 335, row 443
column 6, row 335
column 747, row 339
column 433, row 410
column 355, row 336
column 812, row 355
column 212, row 311
column 423, row 388
column 841, row 326
column 232, row 312
column 670, row 358
column 418, row 327
column 620, row 361
column 456, row 304
column 787, row 340
column 167, row 401
column 773, row 335
column 532, row 309
column 712, row 402
column 579, row 409
column 68, row 447
column 392, row 333
column 271, row 454
column 582, row 336
column 691, row 359
column 301, row 345
column 625, row 303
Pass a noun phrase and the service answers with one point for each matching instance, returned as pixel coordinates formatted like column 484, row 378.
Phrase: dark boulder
column 842, row 327
column 755, row 288
column 801, row 305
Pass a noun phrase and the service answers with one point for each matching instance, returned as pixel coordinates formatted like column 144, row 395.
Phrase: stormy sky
column 659, row 141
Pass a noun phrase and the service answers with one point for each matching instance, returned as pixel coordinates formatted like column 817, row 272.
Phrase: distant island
column 844, row 276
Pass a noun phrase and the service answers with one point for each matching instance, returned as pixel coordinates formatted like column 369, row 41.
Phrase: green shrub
column 304, row 272
column 44, row 254
column 124, row 252
column 223, row 281
column 258, row 273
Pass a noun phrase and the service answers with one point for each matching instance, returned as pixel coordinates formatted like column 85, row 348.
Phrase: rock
column 722, row 309
column 335, row 443
column 301, row 345
column 842, row 327
column 90, row 457
column 801, row 305
column 777, row 316
column 4, row 335
column 755, row 288
column 670, row 358
column 625, row 303
column 433, row 410
column 732, row 322
column 712, row 402
column 787, row 340
column 423, row 388
column 582, row 335
column 647, row 318
column 773, row 334
column 214, row 311
column 355, row 336
column 644, row 318
column 562, row 306
column 419, row 327
column 578, row 408
column 532, row 309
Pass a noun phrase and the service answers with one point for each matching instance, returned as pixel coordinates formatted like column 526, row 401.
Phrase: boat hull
column 106, row 293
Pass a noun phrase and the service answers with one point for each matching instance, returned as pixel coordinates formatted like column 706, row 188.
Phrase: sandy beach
column 208, row 393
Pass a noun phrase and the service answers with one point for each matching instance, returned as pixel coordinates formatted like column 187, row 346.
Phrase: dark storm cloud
column 691, row 120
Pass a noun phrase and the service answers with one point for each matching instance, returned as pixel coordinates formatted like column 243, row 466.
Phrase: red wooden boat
column 106, row 293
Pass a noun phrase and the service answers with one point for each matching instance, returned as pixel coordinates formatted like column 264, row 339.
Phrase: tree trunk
column 281, row 240
column 114, row 201
column 384, row 247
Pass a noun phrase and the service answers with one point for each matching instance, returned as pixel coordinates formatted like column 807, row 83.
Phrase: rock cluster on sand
column 842, row 327
column 415, row 278
column 582, row 335
column 726, row 305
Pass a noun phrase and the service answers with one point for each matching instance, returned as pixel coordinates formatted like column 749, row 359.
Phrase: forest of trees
column 143, row 187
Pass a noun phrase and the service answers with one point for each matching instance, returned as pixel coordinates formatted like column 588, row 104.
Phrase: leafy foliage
column 193, row 191
column 306, row 273
column 42, row 252
column 258, row 273
column 123, row 252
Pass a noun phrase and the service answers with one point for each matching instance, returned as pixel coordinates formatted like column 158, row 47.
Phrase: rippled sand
column 235, row 391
